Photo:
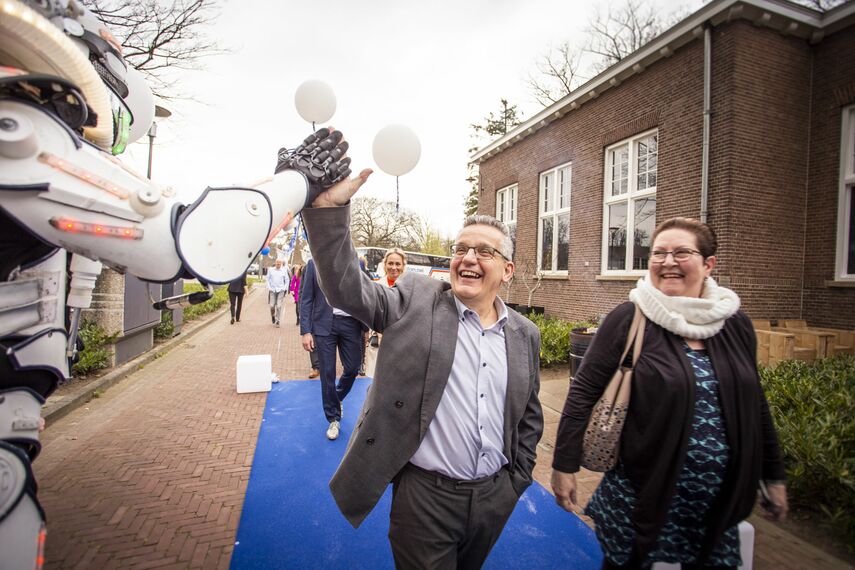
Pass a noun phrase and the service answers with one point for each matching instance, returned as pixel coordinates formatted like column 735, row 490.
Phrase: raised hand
column 322, row 159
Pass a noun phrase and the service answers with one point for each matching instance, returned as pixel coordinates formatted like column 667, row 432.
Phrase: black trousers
column 235, row 304
column 439, row 523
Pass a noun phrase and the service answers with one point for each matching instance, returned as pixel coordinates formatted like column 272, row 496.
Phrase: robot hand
column 319, row 159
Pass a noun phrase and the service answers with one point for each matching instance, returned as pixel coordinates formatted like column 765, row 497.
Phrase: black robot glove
column 319, row 159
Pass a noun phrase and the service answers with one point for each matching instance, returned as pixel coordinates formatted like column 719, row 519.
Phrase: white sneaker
column 332, row 431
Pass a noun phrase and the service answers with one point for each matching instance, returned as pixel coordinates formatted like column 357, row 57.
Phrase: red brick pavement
column 153, row 473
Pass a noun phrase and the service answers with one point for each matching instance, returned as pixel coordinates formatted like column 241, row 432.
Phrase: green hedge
column 220, row 298
column 813, row 406
column 95, row 354
column 555, row 338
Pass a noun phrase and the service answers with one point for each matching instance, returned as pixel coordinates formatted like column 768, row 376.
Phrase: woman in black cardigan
column 698, row 436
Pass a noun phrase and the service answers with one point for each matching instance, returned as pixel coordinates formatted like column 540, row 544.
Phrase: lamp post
column 159, row 112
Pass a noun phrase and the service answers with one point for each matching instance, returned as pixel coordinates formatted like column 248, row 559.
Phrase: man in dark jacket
column 325, row 329
column 237, row 288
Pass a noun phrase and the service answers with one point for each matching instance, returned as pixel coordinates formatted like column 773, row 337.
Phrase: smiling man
column 452, row 417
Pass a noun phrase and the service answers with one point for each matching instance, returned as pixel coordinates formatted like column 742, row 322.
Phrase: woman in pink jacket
column 294, row 287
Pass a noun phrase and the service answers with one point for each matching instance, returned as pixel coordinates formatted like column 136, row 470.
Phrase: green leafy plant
column 555, row 338
column 220, row 298
column 166, row 328
column 96, row 354
column 812, row 406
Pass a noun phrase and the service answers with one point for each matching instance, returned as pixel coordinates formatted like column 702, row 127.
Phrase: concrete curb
column 57, row 407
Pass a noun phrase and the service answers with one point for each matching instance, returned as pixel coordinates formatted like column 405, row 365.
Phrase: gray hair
column 507, row 246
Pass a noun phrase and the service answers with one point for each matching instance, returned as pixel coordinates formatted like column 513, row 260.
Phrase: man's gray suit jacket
column 418, row 317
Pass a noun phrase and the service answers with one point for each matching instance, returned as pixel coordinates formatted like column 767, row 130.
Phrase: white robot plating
column 68, row 104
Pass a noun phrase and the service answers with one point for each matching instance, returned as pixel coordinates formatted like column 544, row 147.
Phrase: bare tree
column 527, row 273
column 557, row 73
column 376, row 223
column 621, row 31
column 611, row 36
column 427, row 239
column 157, row 36
column 820, row 5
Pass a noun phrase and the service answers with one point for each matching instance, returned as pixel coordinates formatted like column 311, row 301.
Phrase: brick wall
column 833, row 89
column 759, row 163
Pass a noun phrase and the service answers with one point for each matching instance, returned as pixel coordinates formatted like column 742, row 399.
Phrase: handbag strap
column 639, row 334
column 634, row 338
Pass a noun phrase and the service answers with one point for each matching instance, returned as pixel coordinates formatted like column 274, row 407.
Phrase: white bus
column 435, row 266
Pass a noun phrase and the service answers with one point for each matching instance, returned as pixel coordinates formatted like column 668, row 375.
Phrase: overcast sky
column 436, row 66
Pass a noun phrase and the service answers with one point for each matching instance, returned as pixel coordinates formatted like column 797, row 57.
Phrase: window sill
column 840, row 284
column 619, row 277
column 554, row 276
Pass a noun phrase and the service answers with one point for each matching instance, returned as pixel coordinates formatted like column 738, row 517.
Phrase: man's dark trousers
column 346, row 335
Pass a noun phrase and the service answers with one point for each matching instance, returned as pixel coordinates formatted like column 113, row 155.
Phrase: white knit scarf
column 690, row 317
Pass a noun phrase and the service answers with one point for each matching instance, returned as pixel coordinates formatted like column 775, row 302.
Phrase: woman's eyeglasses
column 680, row 255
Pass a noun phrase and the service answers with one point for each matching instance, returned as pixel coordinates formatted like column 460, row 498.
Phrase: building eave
column 786, row 17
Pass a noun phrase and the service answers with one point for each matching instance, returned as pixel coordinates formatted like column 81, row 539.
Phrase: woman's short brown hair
column 704, row 235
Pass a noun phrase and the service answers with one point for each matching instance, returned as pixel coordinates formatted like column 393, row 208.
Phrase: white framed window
column 629, row 203
column 506, row 209
column 845, row 258
column 553, row 228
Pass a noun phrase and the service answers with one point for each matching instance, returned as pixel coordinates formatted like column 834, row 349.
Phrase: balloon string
column 397, row 196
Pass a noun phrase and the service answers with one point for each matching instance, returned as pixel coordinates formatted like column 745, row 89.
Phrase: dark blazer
column 655, row 436
column 413, row 367
column 238, row 285
column 316, row 314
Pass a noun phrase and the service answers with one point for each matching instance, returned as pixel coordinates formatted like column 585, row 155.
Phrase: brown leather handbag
column 601, row 444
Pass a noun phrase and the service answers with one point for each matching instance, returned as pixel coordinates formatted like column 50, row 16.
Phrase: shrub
column 812, row 408
column 221, row 297
column 166, row 328
column 555, row 338
column 96, row 354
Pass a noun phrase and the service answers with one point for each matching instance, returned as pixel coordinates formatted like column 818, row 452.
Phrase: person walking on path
column 325, row 329
column 277, row 287
column 698, row 437
column 294, row 287
column 237, row 288
column 313, row 354
column 453, row 417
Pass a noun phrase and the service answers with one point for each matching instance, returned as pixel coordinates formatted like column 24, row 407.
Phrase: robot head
column 65, row 39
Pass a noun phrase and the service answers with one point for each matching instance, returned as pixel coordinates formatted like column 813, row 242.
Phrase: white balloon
column 315, row 101
column 140, row 101
column 396, row 149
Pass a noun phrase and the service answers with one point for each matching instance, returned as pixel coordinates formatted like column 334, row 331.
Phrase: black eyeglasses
column 483, row 252
column 680, row 255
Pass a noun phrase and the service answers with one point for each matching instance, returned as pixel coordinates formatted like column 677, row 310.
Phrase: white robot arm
column 68, row 103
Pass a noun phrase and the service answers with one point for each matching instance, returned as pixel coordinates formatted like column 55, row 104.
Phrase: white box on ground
column 253, row 373
column 746, row 549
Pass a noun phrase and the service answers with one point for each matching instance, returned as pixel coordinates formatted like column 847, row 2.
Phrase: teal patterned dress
column 680, row 538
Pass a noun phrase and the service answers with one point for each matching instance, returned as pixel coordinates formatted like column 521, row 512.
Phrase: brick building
column 627, row 150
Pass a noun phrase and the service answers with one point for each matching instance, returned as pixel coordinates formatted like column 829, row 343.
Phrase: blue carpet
column 290, row 519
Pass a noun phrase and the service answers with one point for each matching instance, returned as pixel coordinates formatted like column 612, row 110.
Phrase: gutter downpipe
column 705, row 163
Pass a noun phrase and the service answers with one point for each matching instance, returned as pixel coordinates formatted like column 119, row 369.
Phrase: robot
column 69, row 104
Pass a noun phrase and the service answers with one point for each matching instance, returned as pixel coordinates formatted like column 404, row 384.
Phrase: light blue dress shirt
column 277, row 279
column 465, row 440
